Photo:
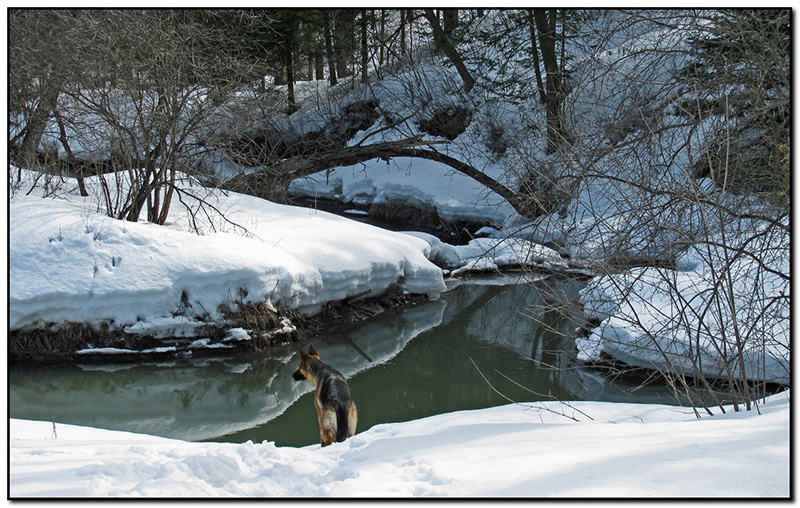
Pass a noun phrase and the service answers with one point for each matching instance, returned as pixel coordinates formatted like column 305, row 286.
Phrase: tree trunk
column 36, row 126
column 444, row 44
column 535, row 53
column 403, row 32
column 364, row 47
column 62, row 136
column 290, row 82
column 154, row 204
column 341, row 48
column 319, row 65
column 563, row 39
column 554, row 96
column 354, row 44
column 450, row 18
column 162, row 218
column 382, row 37
column 329, row 50
column 289, row 46
column 141, row 195
column 410, row 24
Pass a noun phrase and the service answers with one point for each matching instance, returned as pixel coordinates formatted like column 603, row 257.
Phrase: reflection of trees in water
column 539, row 321
column 536, row 320
column 69, row 379
column 255, row 373
column 173, row 399
column 205, row 397
column 496, row 326
column 558, row 316
column 552, row 305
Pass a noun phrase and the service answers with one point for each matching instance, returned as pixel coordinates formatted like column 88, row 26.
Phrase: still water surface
column 404, row 364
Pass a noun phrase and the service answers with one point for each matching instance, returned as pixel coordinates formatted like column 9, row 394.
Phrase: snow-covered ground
column 491, row 254
column 675, row 320
column 424, row 184
column 625, row 450
column 71, row 262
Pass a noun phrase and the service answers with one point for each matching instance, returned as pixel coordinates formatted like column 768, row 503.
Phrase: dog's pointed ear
column 312, row 351
column 303, row 354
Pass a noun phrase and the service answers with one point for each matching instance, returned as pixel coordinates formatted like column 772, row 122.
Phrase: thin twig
column 545, row 408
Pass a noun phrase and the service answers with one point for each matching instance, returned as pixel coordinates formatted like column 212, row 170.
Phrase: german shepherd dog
column 336, row 411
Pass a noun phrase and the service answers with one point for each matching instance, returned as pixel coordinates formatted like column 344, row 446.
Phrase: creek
column 479, row 345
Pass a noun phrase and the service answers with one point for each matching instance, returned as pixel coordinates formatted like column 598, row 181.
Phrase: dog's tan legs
column 327, row 425
column 352, row 419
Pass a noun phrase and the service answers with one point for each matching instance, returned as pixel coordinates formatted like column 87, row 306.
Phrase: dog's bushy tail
column 341, row 423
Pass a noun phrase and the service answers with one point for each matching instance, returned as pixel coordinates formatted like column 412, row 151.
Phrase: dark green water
column 407, row 363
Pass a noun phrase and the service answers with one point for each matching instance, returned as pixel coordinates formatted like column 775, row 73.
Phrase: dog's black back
column 335, row 406
column 334, row 391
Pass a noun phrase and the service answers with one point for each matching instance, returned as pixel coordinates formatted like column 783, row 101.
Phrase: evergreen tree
column 740, row 76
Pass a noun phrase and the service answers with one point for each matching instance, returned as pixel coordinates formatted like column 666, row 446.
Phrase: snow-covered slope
column 626, row 450
column 622, row 83
column 70, row 262
column 491, row 254
column 676, row 320
column 420, row 183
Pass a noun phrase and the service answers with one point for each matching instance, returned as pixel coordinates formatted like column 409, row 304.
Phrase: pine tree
column 740, row 76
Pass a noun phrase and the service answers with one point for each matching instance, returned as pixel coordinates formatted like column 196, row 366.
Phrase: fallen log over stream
column 262, row 182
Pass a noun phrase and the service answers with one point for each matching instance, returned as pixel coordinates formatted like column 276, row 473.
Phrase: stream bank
column 247, row 328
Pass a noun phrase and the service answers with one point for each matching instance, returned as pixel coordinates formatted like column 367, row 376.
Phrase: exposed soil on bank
column 265, row 327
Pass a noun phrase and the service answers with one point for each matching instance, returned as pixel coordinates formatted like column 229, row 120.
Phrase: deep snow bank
column 689, row 319
column 419, row 183
column 514, row 450
column 491, row 254
column 70, row 262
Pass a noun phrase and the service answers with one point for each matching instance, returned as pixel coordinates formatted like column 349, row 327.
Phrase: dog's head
column 304, row 372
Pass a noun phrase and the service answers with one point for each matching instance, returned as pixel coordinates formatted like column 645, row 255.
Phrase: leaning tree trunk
column 36, row 126
column 260, row 183
column 445, row 45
